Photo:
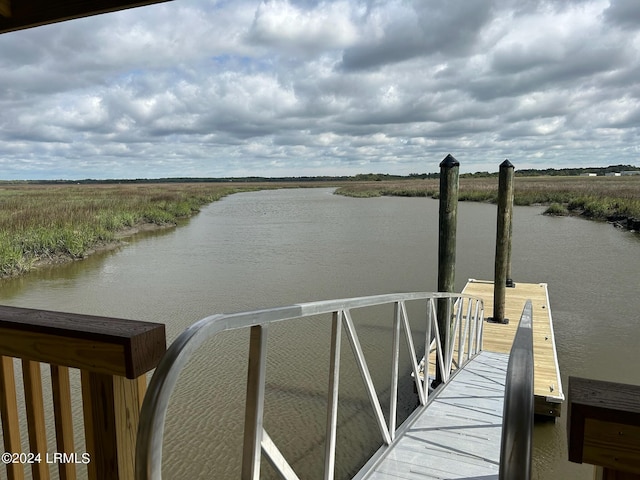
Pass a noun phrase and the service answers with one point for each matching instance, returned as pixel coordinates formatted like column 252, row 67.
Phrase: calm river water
column 272, row 248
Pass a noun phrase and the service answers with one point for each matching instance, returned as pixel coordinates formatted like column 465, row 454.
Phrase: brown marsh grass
column 593, row 197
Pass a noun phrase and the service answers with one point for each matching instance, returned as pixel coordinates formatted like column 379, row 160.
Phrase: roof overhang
column 19, row 14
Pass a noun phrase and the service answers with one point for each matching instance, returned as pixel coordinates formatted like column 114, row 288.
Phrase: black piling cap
column 506, row 164
column 449, row 162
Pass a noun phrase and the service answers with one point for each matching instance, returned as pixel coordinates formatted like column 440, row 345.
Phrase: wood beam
column 5, row 8
column 603, row 425
column 97, row 344
column 32, row 13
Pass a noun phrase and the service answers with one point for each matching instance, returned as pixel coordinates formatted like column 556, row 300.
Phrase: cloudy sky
column 221, row 88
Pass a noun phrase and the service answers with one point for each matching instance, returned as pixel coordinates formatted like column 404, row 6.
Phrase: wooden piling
column 503, row 241
column 448, row 216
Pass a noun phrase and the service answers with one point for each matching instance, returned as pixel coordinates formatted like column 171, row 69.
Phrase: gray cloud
column 402, row 31
column 283, row 87
column 623, row 13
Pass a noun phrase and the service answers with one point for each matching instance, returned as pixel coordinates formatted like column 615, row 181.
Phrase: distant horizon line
column 567, row 171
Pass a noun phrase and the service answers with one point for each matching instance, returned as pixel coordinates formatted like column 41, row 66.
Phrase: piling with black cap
column 502, row 272
column 448, row 217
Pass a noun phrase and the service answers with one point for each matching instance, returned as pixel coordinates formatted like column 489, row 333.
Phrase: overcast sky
column 206, row 88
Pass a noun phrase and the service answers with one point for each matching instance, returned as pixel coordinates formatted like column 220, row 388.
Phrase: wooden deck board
column 498, row 337
column 458, row 435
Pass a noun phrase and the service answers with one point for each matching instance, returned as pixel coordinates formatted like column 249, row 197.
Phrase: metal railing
column 517, row 426
column 463, row 330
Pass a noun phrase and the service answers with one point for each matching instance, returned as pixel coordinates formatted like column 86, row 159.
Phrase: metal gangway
column 451, row 347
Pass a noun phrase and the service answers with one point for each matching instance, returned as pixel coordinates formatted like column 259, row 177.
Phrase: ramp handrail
column 465, row 325
column 517, row 426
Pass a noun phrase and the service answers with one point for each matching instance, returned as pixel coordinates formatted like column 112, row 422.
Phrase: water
column 271, row 248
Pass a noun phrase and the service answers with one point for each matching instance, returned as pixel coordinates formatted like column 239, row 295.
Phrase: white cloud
column 294, row 87
column 291, row 28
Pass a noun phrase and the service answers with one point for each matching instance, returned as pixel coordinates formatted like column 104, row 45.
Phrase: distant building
column 588, row 174
column 612, row 174
column 630, row 172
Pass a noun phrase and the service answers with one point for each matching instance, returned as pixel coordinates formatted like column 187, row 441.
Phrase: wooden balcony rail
column 113, row 356
column 603, row 427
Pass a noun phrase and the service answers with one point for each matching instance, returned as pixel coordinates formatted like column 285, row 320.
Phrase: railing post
column 503, row 241
column 447, row 223
column 111, row 406
column 63, row 417
column 395, row 359
column 254, row 408
column 332, row 396
column 9, row 415
column 427, row 349
column 34, row 407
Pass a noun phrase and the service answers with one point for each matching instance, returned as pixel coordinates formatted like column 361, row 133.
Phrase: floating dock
column 458, row 436
column 499, row 337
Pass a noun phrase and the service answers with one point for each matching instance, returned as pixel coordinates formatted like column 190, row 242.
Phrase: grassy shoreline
column 614, row 199
column 45, row 224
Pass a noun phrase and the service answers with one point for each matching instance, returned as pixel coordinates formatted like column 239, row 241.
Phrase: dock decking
column 458, row 435
column 498, row 338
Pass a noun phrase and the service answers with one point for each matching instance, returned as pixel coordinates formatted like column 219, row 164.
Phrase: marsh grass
column 52, row 222
column 556, row 209
column 40, row 223
column 598, row 198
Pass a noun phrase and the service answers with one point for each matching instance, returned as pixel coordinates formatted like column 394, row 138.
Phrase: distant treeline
column 184, row 180
column 576, row 171
column 529, row 172
column 361, row 177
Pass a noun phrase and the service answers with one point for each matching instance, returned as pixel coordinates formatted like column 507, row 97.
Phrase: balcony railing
column 113, row 356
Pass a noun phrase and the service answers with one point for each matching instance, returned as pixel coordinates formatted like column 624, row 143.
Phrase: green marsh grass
column 53, row 222
column 556, row 209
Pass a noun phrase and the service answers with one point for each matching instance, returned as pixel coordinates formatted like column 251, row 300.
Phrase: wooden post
column 9, row 415
column 63, row 416
column 503, row 241
column 111, row 411
column 448, row 216
column 509, row 281
column 34, row 406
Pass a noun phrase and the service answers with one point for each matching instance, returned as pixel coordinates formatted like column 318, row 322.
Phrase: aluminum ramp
column 458, row 435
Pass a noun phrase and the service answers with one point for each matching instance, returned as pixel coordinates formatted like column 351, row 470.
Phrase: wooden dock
column 457, row 436
column 498, row 337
